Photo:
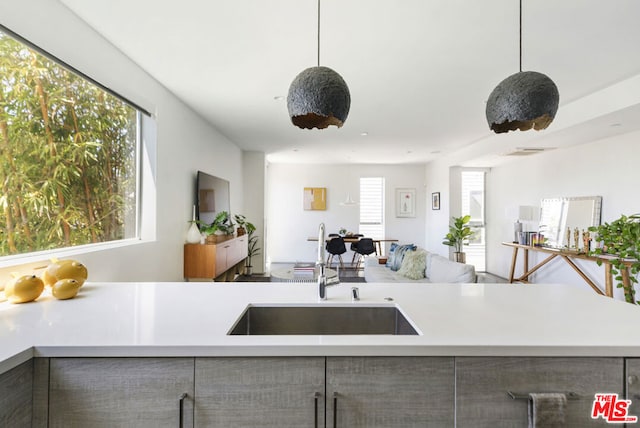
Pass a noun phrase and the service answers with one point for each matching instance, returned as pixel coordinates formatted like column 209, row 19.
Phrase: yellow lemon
column 65, row 289
column 65, row 269
column 25, row 288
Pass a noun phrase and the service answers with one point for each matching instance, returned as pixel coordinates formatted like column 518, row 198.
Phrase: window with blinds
column 372, row 207
column 473, row 204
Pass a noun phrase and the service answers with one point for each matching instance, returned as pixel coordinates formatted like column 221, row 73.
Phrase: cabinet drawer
column 482, row 385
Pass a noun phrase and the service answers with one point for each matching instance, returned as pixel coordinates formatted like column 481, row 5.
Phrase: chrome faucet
column 322, row 272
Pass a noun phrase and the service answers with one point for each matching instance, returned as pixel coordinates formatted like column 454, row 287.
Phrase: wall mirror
column 558, row 214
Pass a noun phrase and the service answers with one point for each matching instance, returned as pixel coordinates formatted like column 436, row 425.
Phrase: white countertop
column 192, row 319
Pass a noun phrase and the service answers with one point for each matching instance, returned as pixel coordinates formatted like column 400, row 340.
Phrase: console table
column 568, row 256
column 212, row 260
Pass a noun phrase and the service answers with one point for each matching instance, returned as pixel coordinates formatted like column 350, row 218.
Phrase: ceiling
column 419, row 71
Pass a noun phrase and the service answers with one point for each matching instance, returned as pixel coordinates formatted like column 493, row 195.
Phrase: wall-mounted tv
column 212, row 196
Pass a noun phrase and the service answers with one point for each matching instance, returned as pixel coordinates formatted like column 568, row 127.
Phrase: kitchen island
column 466, row 334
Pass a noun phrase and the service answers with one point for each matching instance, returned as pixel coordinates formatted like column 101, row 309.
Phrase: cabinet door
column 482, row 386
column 15, row 396
column 222, row 251
column 120, row 392
column 633, row 385
column 259, row 392
column 390, row 392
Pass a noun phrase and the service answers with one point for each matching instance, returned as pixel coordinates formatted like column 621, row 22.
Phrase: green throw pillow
column 414, row 264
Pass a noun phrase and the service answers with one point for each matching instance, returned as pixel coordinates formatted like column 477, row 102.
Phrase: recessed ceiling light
column 364, row 134
column 295, row 150
column 279, row 97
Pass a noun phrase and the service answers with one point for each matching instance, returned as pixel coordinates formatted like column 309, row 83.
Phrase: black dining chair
column 335, row 247
column 354, row 246
column 365, row 248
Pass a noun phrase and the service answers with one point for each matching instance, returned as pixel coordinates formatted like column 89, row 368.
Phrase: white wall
column 185, row 142
column 288, row 225
column 254, row 204
column 607, row 168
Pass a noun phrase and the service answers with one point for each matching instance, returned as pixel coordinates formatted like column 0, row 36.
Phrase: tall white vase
column 193, row 234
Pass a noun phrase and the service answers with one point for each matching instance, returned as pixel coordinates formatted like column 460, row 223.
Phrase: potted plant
column 459, row 234
column 253, row 249
column 221, row 225
column 620, row 241
column 242, row 223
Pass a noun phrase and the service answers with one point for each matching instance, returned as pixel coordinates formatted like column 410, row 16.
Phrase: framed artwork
column 435, row 201
column 405, row 202
column 315, row 198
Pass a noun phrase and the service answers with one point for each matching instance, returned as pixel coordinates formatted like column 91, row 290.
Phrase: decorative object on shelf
column 193, row 234
column 220, row 229
column 405, row 202
column 242, row 223
column 586, row 240
column 435, row 201
column 621, row 239
column 523, row 100
column 318, row 96
column 315, row 198
column 517, row 230
column 459, row 234
column 576, row 238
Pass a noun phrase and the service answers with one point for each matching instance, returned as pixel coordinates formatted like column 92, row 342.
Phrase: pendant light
column 349, row 201
column 318, row 96
column 523, row 100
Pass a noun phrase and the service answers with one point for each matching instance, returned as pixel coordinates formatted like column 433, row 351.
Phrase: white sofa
column 438, row 270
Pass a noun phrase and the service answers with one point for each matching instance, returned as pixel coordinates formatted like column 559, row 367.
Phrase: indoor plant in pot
column 459, row 234
column 620, row 242
column 242, row 223
column 221, row 225
column 253, row 249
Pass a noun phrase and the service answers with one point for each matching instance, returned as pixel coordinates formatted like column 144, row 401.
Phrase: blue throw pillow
column 392, row 252
column 398, row 255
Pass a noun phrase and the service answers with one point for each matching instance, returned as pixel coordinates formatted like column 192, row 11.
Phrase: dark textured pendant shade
column 318, row 97
column 524, row 100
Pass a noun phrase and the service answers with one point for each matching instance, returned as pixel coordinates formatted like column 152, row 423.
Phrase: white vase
column 193, row 234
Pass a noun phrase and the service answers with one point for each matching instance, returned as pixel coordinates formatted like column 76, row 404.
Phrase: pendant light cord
column 319, row 32
column 520, row 37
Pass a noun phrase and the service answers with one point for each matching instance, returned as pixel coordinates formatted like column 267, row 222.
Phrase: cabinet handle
column 316, row 397
column 181, row 408
column 335, row 410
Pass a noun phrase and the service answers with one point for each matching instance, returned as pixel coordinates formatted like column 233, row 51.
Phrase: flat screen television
column 212, row 196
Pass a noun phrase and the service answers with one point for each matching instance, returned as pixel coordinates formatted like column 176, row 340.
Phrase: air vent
column 526, row 151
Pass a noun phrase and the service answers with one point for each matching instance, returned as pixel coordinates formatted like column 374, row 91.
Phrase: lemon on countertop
column 65, row 289
column 64, row 269
column 25, row 288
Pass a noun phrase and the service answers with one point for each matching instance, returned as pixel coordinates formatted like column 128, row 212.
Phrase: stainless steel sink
column 322, row 319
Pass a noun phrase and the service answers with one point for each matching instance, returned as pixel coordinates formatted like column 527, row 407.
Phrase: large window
column 473, row 204
column 68, row 153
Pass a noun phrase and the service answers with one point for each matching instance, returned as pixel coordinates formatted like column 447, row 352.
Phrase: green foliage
column 620, row 241
column 459, row 233
column 253, row 249
column 68, row 150
column 221, row 223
